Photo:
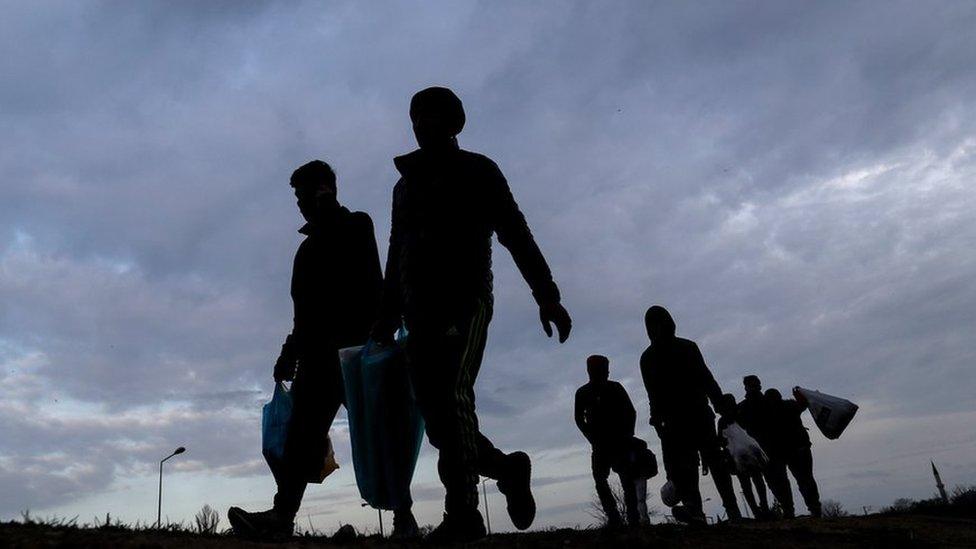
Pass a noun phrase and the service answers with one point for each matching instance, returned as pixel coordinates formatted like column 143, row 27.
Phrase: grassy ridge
column 893, row 530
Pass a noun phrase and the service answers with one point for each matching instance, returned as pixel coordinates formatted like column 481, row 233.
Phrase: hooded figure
column 679, row 384
column 679, row 387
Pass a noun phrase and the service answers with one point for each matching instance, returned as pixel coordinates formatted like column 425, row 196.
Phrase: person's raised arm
column 513, row 233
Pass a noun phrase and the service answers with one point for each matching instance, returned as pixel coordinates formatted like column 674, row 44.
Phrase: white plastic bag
column 746, row 454
column 831, row 414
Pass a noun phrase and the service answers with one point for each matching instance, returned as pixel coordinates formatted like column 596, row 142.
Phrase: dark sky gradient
column 791, row 179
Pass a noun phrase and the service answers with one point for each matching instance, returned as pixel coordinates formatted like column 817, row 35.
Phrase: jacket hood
column 659, row 318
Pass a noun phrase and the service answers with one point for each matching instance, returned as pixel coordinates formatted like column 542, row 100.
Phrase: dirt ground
column 871, row 531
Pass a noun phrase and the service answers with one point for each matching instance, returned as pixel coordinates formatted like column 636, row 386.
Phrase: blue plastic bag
column 385, row 426
column 275, row 418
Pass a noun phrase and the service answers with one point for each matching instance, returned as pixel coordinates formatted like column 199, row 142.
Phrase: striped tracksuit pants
column 444, row 363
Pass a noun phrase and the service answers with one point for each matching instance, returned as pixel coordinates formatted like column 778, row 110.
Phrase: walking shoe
column 516, row 485
column 405, row 525
column 685, row 515
column 458, row 528
column 262, row 525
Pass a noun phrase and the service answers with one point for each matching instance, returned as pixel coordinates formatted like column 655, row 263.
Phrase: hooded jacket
column 679, row 384
column 446, row 206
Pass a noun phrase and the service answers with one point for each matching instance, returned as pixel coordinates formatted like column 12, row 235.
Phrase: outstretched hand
column 555, row 313
column 284, row 369
column 799, row 397
column 382, row 333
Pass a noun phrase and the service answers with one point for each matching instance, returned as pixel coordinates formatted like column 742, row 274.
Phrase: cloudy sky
column 790, row 179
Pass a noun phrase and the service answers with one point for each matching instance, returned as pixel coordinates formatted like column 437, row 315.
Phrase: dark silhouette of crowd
column 437, row 287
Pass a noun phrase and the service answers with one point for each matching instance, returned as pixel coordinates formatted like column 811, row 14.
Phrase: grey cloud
column 790, row 179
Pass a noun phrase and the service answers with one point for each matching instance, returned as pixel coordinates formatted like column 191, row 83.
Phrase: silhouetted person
column 789, row 448
column 446, row 206
column 759, row 509
column 752, row 412
column 336, row 287
column 756, row 418
column 679, row 387
column 606, row 417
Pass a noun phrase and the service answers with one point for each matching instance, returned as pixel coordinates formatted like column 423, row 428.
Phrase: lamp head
column 179, row 450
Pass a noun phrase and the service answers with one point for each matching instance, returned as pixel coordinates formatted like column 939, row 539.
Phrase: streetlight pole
column 484, row 491
column 159, row 508
column 379, row 517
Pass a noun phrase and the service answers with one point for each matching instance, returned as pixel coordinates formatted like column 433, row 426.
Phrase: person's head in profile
column 315, row 189
column 752, row 385
column 437, row 116
column 598, row 368
column 773, row 395
column 727, row 406
column 659, row 324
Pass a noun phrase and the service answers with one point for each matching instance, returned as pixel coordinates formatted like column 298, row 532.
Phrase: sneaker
column 516, row 486
column 262, row 525
column 458, row 528
column 405, row 525
column 685, row 515
column 345, row 535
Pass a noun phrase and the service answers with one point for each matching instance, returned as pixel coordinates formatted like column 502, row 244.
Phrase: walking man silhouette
column 754, row 415
column 760, row 508
column 789, row 448
column 679, row 387
column 336, row 287
column 446, row 206
column 606, row 417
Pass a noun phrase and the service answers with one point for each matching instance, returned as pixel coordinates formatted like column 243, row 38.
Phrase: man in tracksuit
column 606, row 417
column 336, row 287
column 679, row 387
column 789, row 448
column 446, row 206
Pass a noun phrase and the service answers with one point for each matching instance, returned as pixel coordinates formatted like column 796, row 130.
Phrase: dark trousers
column 747, row 481
column 317, row 392
column 444, row 360
column 799, row 461
column 681, row 446
column 601, row 461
